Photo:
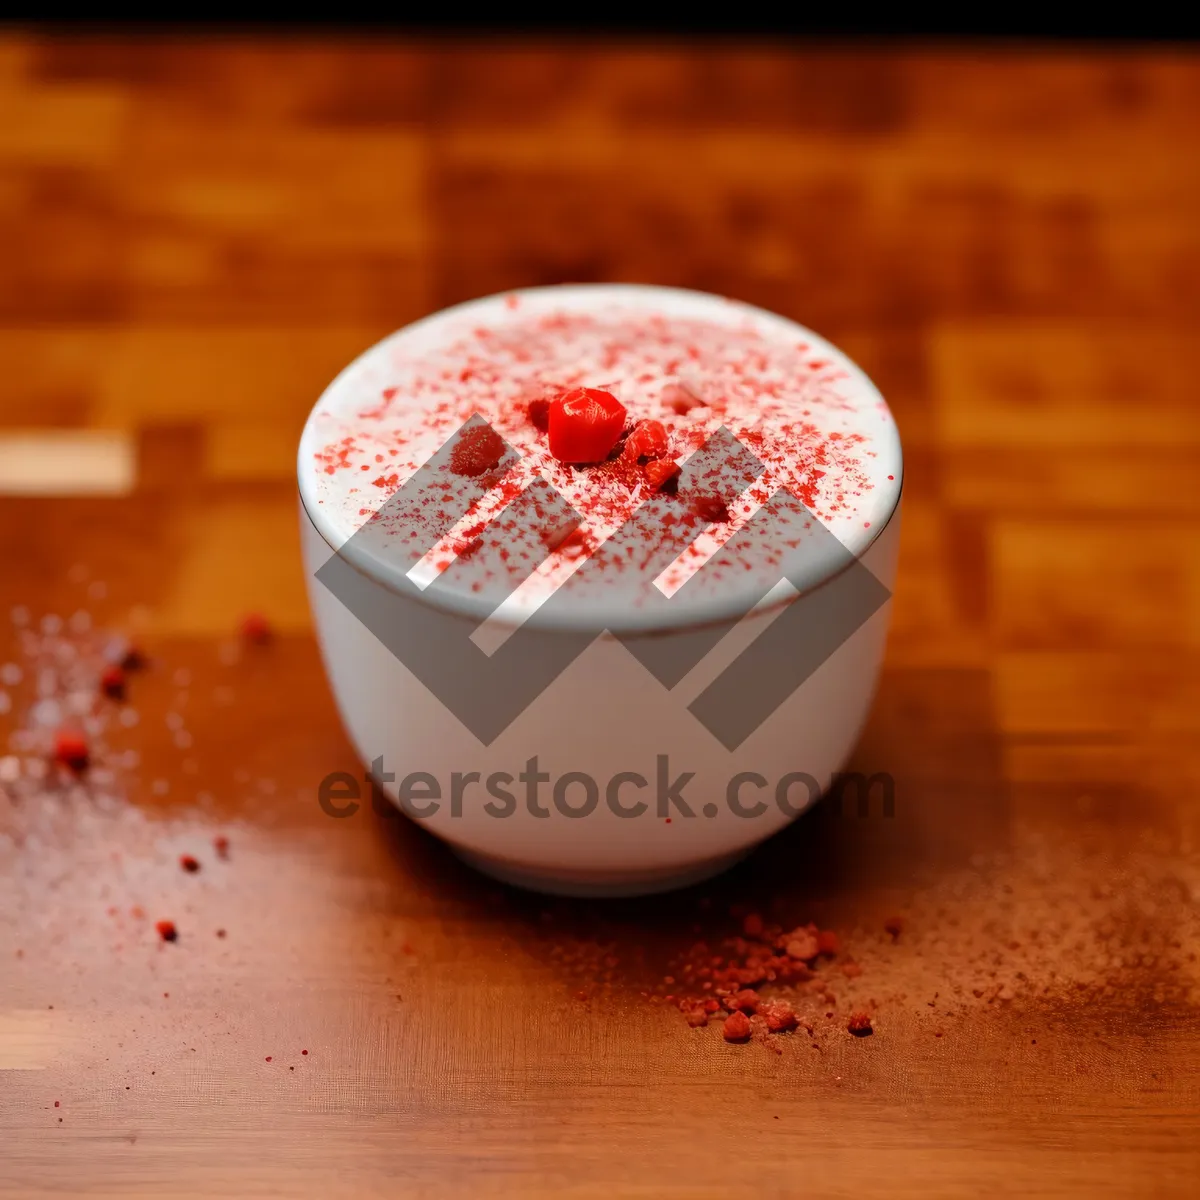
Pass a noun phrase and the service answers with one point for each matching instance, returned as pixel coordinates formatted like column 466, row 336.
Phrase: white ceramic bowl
column 605, row 714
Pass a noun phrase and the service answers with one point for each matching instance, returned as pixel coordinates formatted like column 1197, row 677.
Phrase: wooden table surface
column 195, row 235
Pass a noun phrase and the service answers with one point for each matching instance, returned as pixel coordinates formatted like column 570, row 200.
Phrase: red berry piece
column 663, row 476
column 802, row 945
column 71, row 750
column 827, row 942
column 167, row 930
column 648, row 440
column 189, row 864
column 112, row 683
column 477, row 452
column 711, row 508
column 859, row 1024
column 585, row 425
column 779, row 1015
column 256, row 629
column 221, row 845
column 737, row 1027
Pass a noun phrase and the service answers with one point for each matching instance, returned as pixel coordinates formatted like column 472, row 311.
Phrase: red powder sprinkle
column 221, row 845
column 737, row 1027
column 478, row 451
column 189, row 864
column 711, row 508
column 894, row 925
column 859, row 1023
column 256, row 629
column 71, row 750
column 167, row 930
column 220, row 933
column 112, row 683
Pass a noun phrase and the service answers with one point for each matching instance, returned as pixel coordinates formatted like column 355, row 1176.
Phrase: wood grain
column 197, row 233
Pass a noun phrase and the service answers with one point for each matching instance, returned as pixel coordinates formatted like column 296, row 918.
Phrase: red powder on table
column 167, row 931
column 221, row 845
column 189, row 864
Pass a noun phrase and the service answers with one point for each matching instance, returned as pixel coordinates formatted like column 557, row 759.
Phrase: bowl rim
column 723, row 608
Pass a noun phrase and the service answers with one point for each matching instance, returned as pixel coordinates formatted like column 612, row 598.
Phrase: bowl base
column 599, row 884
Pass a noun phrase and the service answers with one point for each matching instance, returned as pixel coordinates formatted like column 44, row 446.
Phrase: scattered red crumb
column 71, row 750
column 745, row 1000
column 894, row 925
column 539, row 414
column 477, row 452
column 737, row 1027
column 802, row 944
column 711, row 508
column 221, row 845
column 648, row 440
column 112, row 683
column 859, row 1023
column 663, row 476
column 256, row 629
column 132, row 659
column 303, row 1051
column 56, row 1103
column 189, row 864
column 697, row 1018
column 585, row 424
column 827, row 942
column 220, row 933
column 268, row 1058
column 167, row 930
column 779, row 1015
